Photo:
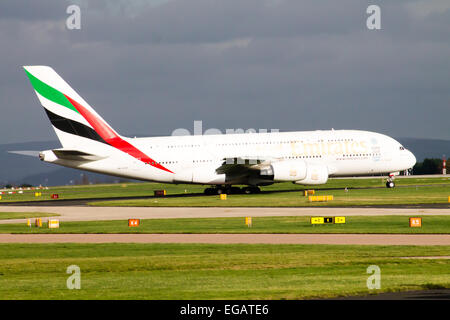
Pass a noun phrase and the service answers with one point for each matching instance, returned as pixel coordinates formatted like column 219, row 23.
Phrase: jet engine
column 297, row 171
column 316, row 174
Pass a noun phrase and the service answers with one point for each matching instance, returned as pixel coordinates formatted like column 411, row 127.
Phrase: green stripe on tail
column 50, row 93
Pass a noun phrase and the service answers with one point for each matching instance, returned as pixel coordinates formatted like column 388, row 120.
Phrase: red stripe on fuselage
column 112, row 138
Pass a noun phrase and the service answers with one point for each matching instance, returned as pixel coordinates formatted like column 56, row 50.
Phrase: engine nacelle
column 316, row 174
column 289, row 170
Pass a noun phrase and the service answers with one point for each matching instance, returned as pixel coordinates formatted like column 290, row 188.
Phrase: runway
column 76, row 213
column 337, row 239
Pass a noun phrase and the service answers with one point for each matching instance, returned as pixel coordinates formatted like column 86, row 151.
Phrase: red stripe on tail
column 108, row 134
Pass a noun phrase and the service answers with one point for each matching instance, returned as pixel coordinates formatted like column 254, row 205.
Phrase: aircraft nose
column 411, row 159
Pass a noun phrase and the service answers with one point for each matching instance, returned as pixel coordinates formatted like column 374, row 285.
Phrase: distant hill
column 18, row 169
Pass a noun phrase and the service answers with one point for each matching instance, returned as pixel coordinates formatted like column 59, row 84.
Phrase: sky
column 151, row 67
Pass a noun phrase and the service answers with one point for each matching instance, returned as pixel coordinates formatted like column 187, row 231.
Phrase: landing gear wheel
column 234, row 190
column 251, row 190
column 390, row 184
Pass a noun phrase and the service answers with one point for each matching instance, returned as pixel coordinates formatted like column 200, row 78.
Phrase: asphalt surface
column 338, row 239
column 432, row 294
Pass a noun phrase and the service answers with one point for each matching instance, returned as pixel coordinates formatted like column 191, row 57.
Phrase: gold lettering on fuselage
column 329, row 148
column 312, row 149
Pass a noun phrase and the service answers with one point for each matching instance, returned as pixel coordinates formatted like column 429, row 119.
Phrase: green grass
column 201, row 271
column 147, row 189
column 354, row 224
column 351, row 197
column 25, row 215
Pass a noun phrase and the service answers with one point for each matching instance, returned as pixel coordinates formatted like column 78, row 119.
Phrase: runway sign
column 134, row 222
column 248, row 221
column 223, row 196
column 55, row 196
column 309, row 193
column 327, row 220
column 415, row 222
column 317, row 220
column 53, row 223
column 160, row 193
column 320, row 198
column 339, row 219
column 38, row 222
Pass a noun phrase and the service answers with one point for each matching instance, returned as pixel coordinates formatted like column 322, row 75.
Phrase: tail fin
column 76, row 124
column 72, row 118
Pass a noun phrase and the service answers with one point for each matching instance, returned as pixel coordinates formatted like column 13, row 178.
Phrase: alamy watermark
column 74, row 281
column 374, row 281
column 198, row 130
column 373, row 22
column 73, row 22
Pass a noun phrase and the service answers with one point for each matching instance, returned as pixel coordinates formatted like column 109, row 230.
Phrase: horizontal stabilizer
column 29, row 153
column 75, row 155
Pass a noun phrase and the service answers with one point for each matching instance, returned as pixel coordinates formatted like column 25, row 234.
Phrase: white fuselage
column 195, row 159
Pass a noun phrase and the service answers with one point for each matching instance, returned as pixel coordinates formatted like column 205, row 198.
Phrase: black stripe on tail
column 73, row 127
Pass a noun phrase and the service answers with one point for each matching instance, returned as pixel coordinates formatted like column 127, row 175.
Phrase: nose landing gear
column 390, row 181
column 390, row 184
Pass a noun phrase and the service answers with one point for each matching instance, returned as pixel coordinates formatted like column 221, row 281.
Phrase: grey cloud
column 30, row 10
column 292, row 65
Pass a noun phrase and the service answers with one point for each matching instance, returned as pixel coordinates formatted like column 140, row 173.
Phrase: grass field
column 195, row 271
column 352, row 197
column 354, row 224
column 278, row 194
column 202, row 271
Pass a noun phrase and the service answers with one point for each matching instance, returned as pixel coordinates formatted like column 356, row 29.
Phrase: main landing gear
column 231, row 190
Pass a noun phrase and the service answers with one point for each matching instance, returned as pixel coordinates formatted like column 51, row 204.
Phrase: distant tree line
column 430, row 166
column 25, row 185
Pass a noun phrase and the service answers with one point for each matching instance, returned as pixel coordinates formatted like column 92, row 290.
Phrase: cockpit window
column 402, row 148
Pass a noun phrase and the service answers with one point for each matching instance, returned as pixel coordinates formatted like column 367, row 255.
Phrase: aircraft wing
column 232, row 166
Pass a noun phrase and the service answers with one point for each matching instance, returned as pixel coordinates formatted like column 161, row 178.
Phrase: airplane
column 219, row 161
